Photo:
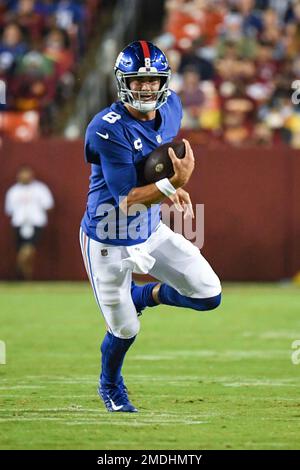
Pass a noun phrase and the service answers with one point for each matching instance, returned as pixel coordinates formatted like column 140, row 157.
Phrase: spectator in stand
column 292, row 40
column 282, row 7
column 293, row 12
column 235, row 130
column 5, row 8
column 237, row 113
column 266, row 74
column 210, row 113
column 251, row 17
column 12, row 47
column 272, row 28
column 191, row 19
column 230, row 66
column 292, row 128
column 192, row 58
column 276, row 113
column 45, row 8
column 27, row 203
column 72, row 17
column 174, row 59
column 192, row 98
column 57, row 48
column 181, row 22
column 31, row 22
column 211, row 19
column 262, row 134
column 34, row 87
column 232, row 33
column 266, row 65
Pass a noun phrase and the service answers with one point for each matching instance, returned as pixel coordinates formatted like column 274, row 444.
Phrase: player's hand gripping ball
column 158, row 164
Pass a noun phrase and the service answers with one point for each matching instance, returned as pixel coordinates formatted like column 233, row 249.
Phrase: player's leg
column 26, row 251
column 142, row 296
column 170, row 296
column 25, row 261
column 111, row 288
column 187, row 278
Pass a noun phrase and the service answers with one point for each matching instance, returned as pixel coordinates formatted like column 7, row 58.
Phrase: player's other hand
column 183, row 203
column 184, row 167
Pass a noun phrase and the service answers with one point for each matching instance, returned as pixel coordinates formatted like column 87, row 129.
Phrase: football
column 158, row 164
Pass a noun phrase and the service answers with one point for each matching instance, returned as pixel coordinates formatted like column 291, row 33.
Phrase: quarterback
column 121, row 232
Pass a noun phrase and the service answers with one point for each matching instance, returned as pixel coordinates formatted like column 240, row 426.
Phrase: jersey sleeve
column 114, row 153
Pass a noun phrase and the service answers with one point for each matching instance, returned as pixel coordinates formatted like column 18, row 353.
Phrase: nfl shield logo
column 159, row 139
column 104, row 252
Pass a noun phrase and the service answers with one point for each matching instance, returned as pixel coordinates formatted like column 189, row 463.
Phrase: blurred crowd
column 234, row 63
column 41, row 45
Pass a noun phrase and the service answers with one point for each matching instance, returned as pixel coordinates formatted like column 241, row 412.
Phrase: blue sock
column 142, row 295
column 170, row 296
column 113, row 351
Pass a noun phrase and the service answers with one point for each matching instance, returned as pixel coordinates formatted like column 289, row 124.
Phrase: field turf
column 217, row 380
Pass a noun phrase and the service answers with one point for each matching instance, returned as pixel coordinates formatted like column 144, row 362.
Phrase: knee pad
column 127, row 330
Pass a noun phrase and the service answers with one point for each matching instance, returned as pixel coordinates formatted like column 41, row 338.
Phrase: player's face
column 144, row 86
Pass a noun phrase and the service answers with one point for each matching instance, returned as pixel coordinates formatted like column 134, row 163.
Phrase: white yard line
column 219, row 355
column 137, row 420
column 16, row 387
column 137, row 379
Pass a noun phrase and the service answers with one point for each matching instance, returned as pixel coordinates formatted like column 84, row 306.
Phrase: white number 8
column 111, row 117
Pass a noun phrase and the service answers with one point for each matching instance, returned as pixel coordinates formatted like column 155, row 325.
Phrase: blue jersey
column 115, row 145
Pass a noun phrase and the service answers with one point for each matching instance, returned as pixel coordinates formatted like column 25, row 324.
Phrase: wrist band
column 166, row 187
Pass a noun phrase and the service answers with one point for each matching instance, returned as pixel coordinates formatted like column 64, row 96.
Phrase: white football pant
column 166, row 255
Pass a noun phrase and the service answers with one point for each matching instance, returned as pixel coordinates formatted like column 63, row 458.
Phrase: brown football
column 158, row 164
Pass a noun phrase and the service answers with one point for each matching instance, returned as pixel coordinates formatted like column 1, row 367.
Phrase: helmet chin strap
column 144, row 107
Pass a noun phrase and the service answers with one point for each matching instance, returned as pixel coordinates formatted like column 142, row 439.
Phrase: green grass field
column 215, row 380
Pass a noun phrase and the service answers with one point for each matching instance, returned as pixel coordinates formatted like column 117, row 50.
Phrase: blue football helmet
column 142, row 59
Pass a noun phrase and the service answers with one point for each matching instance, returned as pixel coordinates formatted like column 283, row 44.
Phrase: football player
column 117, row 240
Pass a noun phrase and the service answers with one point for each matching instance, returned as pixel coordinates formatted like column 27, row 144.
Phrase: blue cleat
column 115, row 398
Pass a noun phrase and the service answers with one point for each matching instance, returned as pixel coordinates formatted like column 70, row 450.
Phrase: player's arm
column 45, row 197
column 145, row 195
column 121, row 179
column 150, row 194
column 120, row 173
